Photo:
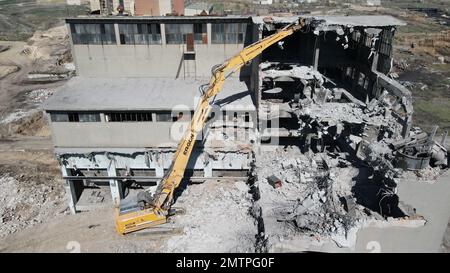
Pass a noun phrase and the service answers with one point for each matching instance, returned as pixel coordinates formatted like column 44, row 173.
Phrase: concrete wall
column 148, row 60
column 112, row 134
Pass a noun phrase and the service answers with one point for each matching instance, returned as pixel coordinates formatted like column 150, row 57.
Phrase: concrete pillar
column 207, row 166
column 70, row 190
column 316, row 53
column 116, row 31
column 159, row 165
column 375, row 61
column 163, row 34
column 209, row 32
column 407, row 126
column 114, row 185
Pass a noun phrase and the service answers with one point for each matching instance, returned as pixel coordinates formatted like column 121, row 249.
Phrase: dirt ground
column 32, row 191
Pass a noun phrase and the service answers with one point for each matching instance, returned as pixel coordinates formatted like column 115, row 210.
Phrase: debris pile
column 315, row 197
column 217, row 219
column 345, row 158
column 30, row 204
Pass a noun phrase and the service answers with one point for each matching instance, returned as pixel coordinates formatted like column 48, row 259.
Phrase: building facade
column 136, row 87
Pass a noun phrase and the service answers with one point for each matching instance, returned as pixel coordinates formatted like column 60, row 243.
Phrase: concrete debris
column 346, row 156
column 29, row 206
column 313, row 201
column 277, row 70
column 210, row 208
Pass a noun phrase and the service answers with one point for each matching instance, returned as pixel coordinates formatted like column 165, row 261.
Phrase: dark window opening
column 75, row 117
column 247, row 117
column 94, row 34
column 228, row 33
column 178, row 33
column 140, row 34
column 129, row 117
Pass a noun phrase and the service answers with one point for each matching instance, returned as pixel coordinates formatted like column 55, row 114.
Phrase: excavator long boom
column 157, row 207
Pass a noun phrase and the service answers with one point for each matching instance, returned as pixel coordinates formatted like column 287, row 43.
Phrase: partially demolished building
column 316, row 115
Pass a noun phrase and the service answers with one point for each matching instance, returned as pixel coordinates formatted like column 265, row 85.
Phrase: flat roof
column 141, row 94
column 115, row 18
column 360, row 20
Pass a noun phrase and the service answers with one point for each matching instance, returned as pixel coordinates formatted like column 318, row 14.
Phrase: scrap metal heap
column 339, row 158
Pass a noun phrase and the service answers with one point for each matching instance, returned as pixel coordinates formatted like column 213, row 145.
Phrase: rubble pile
column 315, row 196
column 31, row 204
column 344, row 161
column 213, row 210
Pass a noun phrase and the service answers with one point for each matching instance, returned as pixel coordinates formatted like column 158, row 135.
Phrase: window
column 247, row 117
column 176, row 33
column 129, row 117
column 75, row 117
column 140, row 34
column 164, row 116
column 88, row 117
column 200, row 34
column 228, row 33
column 95, row 34
column 57, row 117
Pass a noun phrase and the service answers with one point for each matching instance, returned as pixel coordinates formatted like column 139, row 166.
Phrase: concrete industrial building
column 134, row 78
column 115, row 125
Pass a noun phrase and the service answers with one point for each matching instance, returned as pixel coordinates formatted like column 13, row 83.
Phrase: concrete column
column 70, row 190
column 208, row 170
column 407, row 126
column 114, row 185
column 159, row 165
column 116, row 31
column 375, row 61
column 316, row 53
column 209, row 32
column 163, row 34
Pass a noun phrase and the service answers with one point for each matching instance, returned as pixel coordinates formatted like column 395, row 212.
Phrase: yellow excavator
column 154, row 210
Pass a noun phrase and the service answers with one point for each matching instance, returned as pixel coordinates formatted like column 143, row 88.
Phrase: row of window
column 161, row 116
column 143, row 34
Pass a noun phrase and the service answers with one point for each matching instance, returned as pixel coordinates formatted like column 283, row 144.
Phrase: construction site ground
column 34, row 216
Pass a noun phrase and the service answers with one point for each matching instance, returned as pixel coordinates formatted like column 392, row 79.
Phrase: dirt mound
column 34, row 125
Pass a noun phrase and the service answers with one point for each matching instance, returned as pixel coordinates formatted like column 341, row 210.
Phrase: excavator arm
column 156, row 208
